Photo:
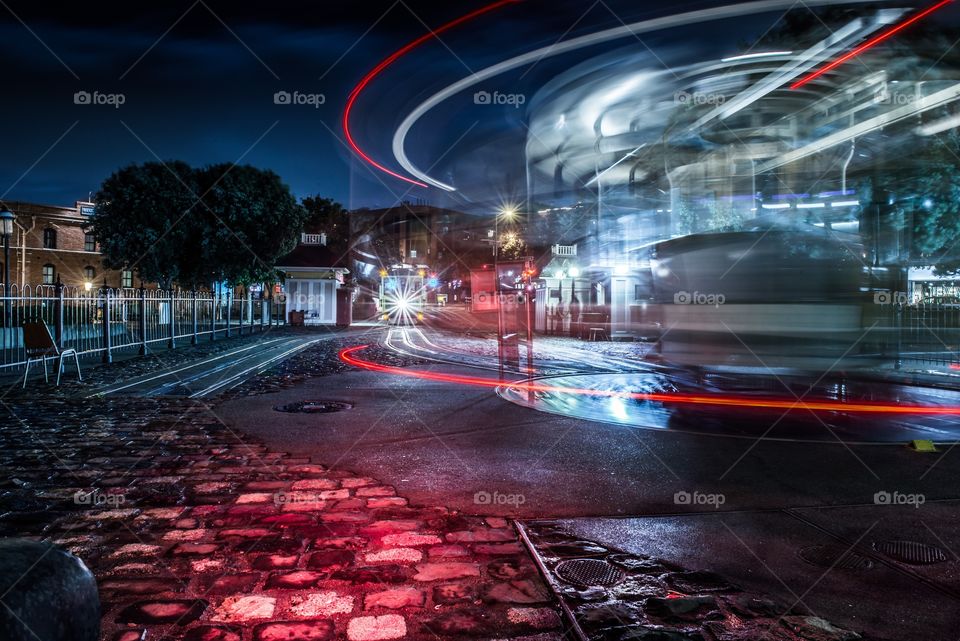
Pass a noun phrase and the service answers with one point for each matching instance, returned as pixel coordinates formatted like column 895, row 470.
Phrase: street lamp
column 508, row 213
column 6, row 230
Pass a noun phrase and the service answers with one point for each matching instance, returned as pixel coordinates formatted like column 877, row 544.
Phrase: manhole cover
column 589, row 573
column 314, row 407
column 911, row 552
column 835, row 556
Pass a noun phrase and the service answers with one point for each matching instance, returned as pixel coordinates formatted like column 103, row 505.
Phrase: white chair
column 39, row 345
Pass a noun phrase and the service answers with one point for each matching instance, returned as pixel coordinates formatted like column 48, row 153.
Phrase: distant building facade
column 442, row 241
column 49, row 244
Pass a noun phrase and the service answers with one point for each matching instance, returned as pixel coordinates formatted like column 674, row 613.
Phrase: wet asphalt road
column 642, row 489
column 444, row 443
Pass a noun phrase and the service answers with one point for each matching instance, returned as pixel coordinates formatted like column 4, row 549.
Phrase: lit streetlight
column 6, row 230
column 508, row 214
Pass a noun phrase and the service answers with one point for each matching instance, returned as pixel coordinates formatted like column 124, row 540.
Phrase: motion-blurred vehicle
column 403, row 294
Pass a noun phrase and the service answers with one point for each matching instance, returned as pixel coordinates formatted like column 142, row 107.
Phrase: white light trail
column 926, row 103
column 751, row 56
column 939, row 125
column 623, row 31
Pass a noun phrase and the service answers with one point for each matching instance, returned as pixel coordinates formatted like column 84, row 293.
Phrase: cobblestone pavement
column 197, row 533
column 615, row 595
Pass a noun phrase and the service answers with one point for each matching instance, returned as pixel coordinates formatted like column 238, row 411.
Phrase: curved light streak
column 386, row 62
column 716, row 400
column 872, row 42
column 614, row 33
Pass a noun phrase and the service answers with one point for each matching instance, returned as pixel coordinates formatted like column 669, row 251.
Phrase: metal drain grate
column 834, row 556
column 589, row 573
column 911, row 552
column 314, row 407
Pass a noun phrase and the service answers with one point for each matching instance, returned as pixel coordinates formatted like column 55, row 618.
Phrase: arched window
column 49, row 238
column 89, row 273
column 49, row 274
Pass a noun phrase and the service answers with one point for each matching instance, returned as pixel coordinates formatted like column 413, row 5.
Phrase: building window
column 126, row 278
column 89, row 273
column 89, row 243
column 49, row 238
column 48, row 274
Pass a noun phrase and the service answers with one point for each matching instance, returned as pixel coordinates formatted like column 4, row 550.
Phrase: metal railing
column 313, row 239
column 928, row 332
column 108, row 321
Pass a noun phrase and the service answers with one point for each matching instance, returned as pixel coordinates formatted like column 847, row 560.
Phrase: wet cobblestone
column 660, row 601
column 198, row 533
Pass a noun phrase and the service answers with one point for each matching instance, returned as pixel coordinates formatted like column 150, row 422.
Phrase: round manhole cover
column 911, row 552
column 835, row 556
column 314, row 407
column 589, row 573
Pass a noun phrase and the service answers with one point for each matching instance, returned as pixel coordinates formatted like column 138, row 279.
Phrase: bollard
column 143, row 320
column 107, row 339
column 58, row 315
column 48, row 593
column 193, row 315
column 172, row 328
column 213, row 317
column 229, row 309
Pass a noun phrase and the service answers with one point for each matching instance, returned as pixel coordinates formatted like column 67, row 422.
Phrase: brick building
column 49, row 242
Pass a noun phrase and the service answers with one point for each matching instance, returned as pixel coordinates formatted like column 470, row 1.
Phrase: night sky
column 198, row 81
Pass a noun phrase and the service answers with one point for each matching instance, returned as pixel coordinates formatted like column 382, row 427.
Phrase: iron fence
column 108, row 321
column 929, row 332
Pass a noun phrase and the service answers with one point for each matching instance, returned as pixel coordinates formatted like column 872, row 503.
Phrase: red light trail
column 872, row 42
column 347, row 356
column 386, row 62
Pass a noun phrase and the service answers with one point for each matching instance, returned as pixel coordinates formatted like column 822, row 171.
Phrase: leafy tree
column 251, row 219
column 327, row 216
column 143, row 218
column 175, row 224
column 723, row 216
column 512, row 246
column 936, row 206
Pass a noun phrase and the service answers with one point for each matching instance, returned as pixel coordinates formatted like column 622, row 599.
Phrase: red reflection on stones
column 180, row 611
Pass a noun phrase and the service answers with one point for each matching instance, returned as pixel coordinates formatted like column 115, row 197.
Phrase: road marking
column 259, row 368
column 180, row 369
column 157, row 391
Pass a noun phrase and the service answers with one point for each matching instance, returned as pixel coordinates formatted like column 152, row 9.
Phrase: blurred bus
column 403, row 294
